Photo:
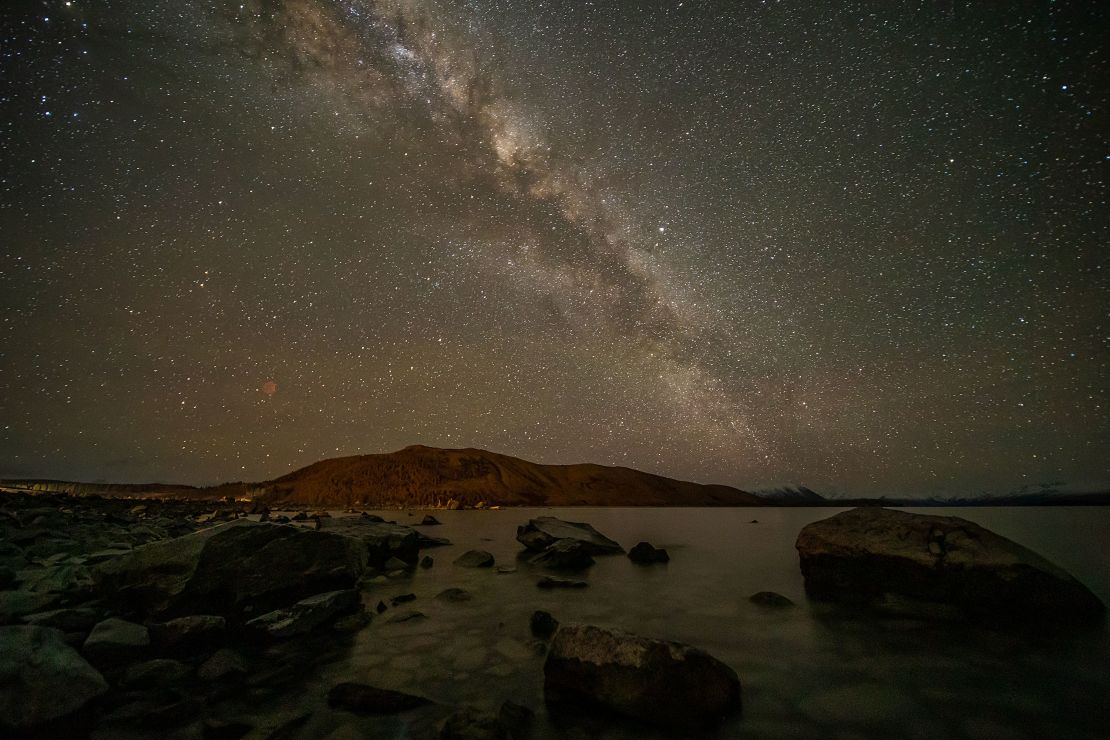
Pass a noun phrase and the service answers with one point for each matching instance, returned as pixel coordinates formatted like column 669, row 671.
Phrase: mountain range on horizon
column 420, row 476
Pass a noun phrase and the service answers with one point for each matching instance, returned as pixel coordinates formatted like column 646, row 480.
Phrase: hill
column 428, row 476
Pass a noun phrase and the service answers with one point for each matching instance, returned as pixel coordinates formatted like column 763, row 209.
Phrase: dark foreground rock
column 42, row 678
column 541, row 533
column 663, row 683
column 876, row 556
column 366, row 699
column 646, row 554
column 230, row 569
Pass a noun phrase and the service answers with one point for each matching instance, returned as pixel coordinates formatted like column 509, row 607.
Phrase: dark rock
column 770, row 598
column 543, row 624
column 664, row 683
column 429, row 520
column 425, row 542
column 402, row 599
column 381, row 607
column 874, row 556
column 116, row 641
column 219, row 729
column 454, row 595
column 469, row 723
column 396, row 564
column 366, row 699
column 78, row 619
column 371, row 517
column 553, row 582
column 41, row 678
column 565, row 554
column 646, row 554
column 540, row 533
column 352, row 622
column 306, row 615
column 231, row 569
column 518, row 719
column 188, row 634
column 224, row 664
column 301, row 516
column 754, row 521
column 426, row 562
column 158, row 673
column 475, row 559
column 407, row 616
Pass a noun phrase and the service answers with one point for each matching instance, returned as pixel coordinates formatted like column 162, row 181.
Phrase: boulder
column 306, row 614
column 875, row 556
column 646, row 554
column 383, row 540
column 42, row 678
column 116, row 641
column 366, row 699
column 231, row 569
column 770, row 598
column 475, row 559
column 663, row 683
column 540, row 533
column 565, row 554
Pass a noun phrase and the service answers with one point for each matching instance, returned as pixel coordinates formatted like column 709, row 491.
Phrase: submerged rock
column 770, row 598
column 42, row 678
column 454, row 594
column 366, row 699
column 475, row 559
column 645, row 554
column 429, row 520
column 565, row 554
column 553, row 582
column 231, row 568
column 540, row 533
column 664, row 683
column 873, row 556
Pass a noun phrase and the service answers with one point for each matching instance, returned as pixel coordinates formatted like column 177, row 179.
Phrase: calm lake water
column 807, row 672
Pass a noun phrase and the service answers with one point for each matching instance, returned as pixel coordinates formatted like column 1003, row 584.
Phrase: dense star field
column 859, row 247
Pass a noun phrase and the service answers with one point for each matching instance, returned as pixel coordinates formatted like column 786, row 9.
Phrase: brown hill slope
column 427, row 476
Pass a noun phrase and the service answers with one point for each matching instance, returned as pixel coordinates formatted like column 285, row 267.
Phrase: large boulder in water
column 565, row 554
column 664, row 683
column 383, row 540
column 230, row 570
column 881, row 557
column 42, row 678
column 542, row 532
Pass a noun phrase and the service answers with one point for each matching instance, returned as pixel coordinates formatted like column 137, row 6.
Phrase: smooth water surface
column 810, row 671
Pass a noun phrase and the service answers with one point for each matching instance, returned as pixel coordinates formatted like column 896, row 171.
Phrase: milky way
column 751, row 243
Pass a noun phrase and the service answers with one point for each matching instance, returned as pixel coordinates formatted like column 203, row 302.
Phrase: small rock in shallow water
column 454, row 594
column 366, row 699
column 475, row 559
column 543, row 625
column 406, row 617
column 645, row 554
column 402, row 599
column 770, row 598
column 429, row 520
column 381, row 607
column 553, row 582
column 426, row 561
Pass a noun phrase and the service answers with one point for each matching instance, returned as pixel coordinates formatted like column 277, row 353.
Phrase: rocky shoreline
column 166, row 617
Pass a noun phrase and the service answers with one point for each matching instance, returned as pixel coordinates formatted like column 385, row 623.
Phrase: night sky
column 860, row 248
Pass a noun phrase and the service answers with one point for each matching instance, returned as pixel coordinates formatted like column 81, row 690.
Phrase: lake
column 811, row 671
